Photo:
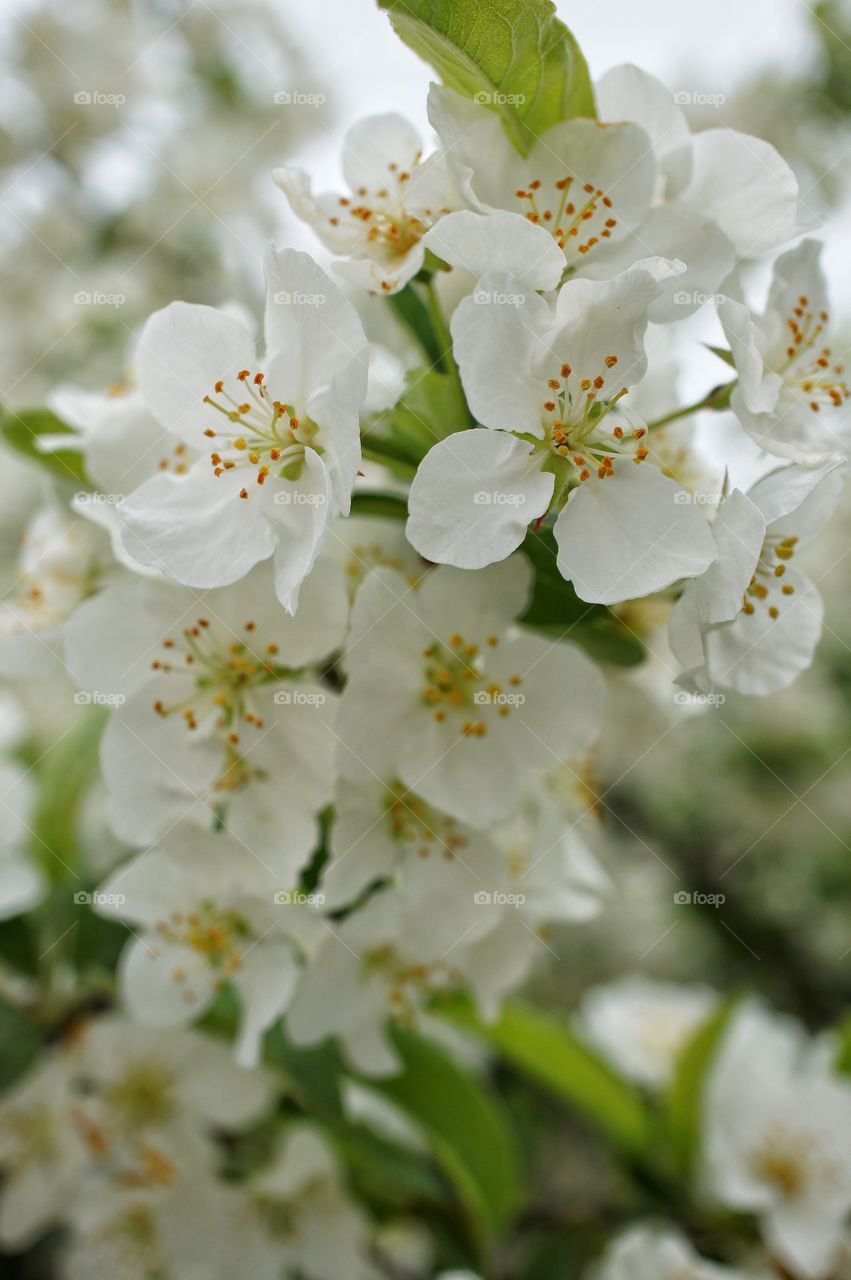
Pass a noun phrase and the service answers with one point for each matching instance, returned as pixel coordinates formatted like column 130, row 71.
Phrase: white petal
column 498, row 334
column 758, row 387
column 474, row 242
column 474, row 496
column 154, row 995
column 739, row 531
column 759, row 654
column 375, row 143
column 799, row 501
column 630, row 535
column 265, row 983
column 314, row 336
column 746, row 187
column 628, row 93
column 184, row 350
column 302, row 511
column 321, row 212
column 196, row 528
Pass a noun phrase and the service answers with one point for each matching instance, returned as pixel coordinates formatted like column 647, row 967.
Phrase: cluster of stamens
column 820, row 379
column 769, row 574
column 263, row 432
column 409, row 984
column 455, row 681
column 573, row 423
column 791, row 1163
column 415, row 824
column 579, row 208
column 218, row 936
column 389, row 230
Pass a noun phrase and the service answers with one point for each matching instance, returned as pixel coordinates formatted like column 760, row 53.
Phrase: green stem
column 717, row 398
column 446, row 363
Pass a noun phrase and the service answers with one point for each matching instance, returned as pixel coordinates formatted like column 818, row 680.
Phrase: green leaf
column 546, row 1050
column 64, row 775
column 314, row 1075
column 722, row 353
column 556, row 611
column 843, row 1052
column 684, row 1101
column 466, row 1127
column 387, row 1171
column 20, row 1043
column 431, row 408
column 515, row 56
column 390, row 505
column 412, row 311
column 21, row 429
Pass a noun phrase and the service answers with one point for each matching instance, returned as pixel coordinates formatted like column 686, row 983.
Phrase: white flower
column 792, row 395
column 641, row 1025
column 446, row 696
column 218, row 715
column 739, row 183
column 651, row 1253
column 319, row 1231
column 752, row 622
column 778, row 1139
column 546, row 382
column 209, row 913
column 57, row 568
column 394, row 197
column 283, row 441
column 41, row 1155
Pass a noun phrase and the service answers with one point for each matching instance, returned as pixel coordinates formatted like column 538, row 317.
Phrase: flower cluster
column 351, row 659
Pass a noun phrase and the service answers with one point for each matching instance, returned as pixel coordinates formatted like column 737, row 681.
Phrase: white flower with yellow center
column 792, row 395
column 752, row 622
column 447, row 696
column 218, row 715
column 778, row 1139
column 277, row 444
column 394, row 197
column 57, row 567
column 208, row 913
column 547, row 381
column 41, row 1155
column 641, row 1025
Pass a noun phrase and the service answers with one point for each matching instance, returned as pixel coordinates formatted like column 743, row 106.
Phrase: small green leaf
column 722, row 353
column 556, row 611
column 467, row 1129
column 390, row 505
column 547, row 1051
column 21, row 429
column 387, row 1171
column 685, row 1095
column 431, row 408
column 515, row 56
column 20, row 1043
column 314, row 1074
column 414, row 315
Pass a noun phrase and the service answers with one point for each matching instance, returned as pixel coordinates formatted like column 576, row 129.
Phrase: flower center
column 574, row 414
column 408, row 985
column 413, row 823
column 143, row 1095
column 576, row 214
column 262, row 432
column 819, row 379
column 218, row 936
column 767, row 585
column 456, row 683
